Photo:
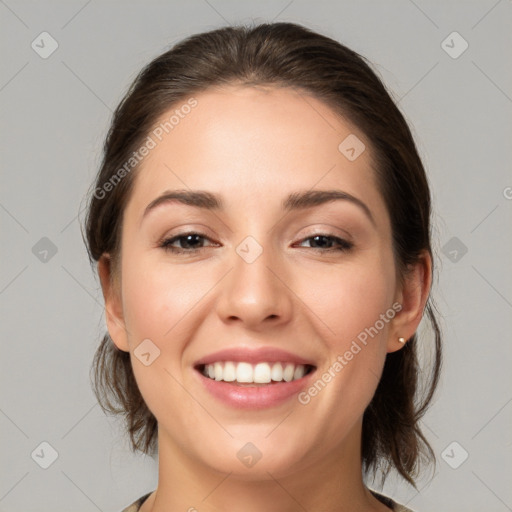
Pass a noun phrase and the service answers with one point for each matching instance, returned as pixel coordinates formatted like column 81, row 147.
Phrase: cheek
column 354, row 305
column 350, row 306
column 350, row 298
column 157, row 297
column 158, row 304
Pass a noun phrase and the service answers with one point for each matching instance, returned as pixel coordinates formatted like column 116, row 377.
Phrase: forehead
column 246, row 143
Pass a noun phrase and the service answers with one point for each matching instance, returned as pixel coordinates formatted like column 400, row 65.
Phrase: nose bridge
column 252, row 292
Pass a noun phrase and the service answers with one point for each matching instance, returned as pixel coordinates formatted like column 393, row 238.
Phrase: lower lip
column 257, row 397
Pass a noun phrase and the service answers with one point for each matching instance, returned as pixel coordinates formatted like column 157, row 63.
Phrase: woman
column 261, row 228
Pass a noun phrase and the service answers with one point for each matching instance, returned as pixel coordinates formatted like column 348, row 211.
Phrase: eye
column 188, row 243
column 324, row 243
column 192, row 242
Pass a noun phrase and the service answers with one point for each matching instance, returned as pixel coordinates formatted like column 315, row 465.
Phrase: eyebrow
column 309, row 198
column 295, row 201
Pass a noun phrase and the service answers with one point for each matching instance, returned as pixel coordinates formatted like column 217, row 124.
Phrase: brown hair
column 283, row 55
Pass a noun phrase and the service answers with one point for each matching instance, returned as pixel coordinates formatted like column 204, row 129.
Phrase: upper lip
column 253, row 356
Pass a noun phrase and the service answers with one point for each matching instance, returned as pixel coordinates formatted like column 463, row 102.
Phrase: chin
column 256, row 460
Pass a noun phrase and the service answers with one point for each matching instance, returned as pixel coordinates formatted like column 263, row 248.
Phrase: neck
column 332, row 483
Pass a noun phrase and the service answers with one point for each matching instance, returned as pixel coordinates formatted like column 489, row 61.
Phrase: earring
column 402, row 340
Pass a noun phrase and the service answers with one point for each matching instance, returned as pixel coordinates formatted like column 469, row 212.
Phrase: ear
column 412, row 296
column 113, row 303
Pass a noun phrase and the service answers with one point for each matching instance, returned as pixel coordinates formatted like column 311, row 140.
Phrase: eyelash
column 343, row 245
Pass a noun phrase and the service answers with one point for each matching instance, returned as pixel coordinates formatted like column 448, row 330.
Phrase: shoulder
column 393, row 505
column 396, row 507
column 135, row 506
column 400, row 508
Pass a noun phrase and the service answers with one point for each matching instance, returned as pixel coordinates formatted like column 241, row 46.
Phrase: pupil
column 190, row 239
column 319, row 237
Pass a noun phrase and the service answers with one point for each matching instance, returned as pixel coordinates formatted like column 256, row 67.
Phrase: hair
column 280, row 55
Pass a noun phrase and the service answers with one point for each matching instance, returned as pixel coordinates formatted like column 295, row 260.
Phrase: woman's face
column 270, row 275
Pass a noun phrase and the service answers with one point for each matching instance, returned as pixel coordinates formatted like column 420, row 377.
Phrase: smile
column 260, row 373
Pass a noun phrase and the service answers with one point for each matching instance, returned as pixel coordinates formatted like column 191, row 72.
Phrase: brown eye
column 186, row 242
column 328, row 243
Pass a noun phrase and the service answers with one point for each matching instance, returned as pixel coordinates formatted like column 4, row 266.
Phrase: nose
column 255, row 294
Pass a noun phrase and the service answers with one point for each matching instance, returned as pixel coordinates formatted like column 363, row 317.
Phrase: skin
column 254, row 146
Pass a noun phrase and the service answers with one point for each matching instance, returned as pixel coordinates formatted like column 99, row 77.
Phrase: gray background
column 55, row 113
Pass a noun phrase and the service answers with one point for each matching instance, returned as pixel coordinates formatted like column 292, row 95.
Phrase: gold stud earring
column 401, row 340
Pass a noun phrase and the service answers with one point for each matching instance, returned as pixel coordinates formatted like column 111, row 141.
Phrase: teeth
column 299, row 372
column 229, row 374
column 217, row 367
column 261, row 373
column 244, row 372
column 277, row 372
column 289, row 370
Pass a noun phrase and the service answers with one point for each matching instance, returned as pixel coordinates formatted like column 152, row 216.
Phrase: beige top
column 396, row 507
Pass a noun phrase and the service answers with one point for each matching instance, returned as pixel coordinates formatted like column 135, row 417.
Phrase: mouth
column 244, row 377
column 245, row 374
column 253, row 379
